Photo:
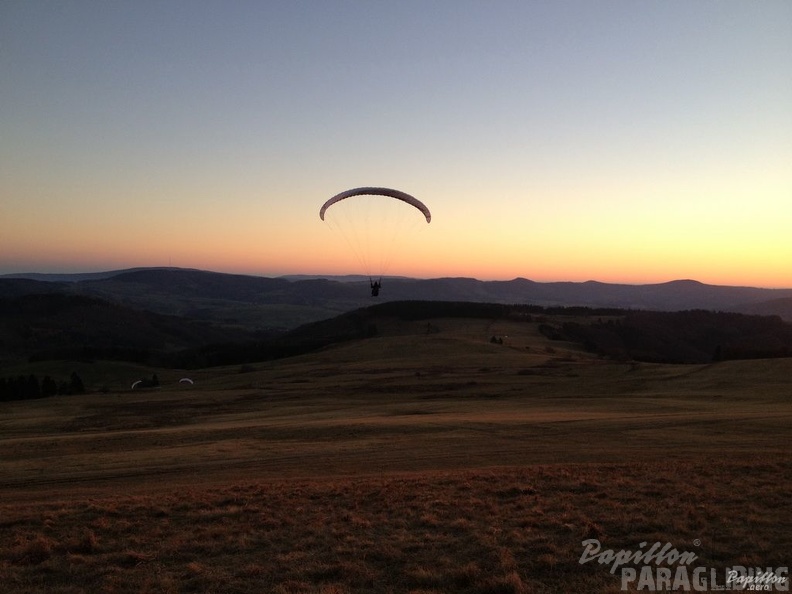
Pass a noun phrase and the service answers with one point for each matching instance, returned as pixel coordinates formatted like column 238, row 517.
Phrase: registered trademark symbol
column 697, row 543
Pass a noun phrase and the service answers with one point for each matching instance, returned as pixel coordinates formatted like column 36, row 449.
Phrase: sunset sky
column 612, row 140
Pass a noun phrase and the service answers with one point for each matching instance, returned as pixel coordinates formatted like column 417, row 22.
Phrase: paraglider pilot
column 375, row 287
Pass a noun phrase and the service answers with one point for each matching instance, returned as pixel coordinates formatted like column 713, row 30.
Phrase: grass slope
column 427, row 459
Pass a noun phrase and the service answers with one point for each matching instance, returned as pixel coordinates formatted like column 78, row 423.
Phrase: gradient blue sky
column 620, row 141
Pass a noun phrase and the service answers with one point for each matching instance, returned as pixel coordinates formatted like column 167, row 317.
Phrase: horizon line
column 99, row 272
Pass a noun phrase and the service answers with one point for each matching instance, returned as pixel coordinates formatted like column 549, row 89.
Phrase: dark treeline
column 29, row 387
column 422, row 310
column 695, row 336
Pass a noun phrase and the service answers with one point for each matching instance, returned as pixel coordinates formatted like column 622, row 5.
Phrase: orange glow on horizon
column 260, row 244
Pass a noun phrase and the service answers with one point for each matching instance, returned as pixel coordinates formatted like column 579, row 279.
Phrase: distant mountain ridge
column 281, row 303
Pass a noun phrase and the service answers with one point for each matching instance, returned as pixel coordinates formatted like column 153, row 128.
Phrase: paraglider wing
column 185, row 380
column 378, row 192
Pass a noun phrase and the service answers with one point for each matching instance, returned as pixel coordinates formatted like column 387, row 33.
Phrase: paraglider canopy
column 376, row 223
column 374, row 191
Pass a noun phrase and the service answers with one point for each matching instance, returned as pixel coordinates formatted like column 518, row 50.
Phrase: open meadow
column 430, row 458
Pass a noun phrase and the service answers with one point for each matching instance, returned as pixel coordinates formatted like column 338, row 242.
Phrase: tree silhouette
column 49, row 387
column 76, row 385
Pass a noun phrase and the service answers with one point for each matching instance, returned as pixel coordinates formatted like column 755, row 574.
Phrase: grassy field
column 413, row 462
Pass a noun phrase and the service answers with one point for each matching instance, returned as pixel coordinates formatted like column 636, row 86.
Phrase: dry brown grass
column 415, row 463
column 495, row 530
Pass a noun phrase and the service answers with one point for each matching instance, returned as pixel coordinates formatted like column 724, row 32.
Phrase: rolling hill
column 66, row 326
column 63, row 326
